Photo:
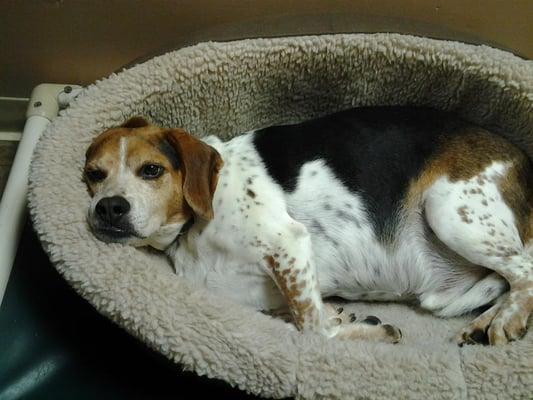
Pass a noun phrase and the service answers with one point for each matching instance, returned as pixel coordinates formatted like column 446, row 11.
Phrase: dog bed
column 228, row 88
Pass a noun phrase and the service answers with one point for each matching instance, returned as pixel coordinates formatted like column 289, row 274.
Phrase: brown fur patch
column 467, row 155
column 516, row 189
column 287, row 280
column 201, row 164
column 135, row 122
column 463, row 213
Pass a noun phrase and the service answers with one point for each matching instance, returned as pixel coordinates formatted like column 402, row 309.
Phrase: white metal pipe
column 13, row 205
column 46, row 99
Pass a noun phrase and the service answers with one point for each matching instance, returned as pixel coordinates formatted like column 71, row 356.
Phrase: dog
column 371, row 203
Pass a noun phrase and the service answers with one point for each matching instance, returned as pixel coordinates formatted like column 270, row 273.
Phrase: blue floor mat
column 54, row 345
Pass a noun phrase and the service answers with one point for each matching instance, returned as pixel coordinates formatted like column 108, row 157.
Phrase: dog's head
column 146, row 182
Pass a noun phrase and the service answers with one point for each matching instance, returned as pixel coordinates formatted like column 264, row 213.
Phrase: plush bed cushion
column 228, row 88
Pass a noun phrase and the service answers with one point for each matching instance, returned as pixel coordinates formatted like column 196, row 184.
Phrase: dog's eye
column 151, row 171
column 95, row 175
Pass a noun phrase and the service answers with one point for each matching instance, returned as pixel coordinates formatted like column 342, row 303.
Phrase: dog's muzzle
column 110, row 221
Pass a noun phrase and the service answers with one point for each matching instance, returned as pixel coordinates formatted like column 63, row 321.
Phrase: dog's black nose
column 111, row 209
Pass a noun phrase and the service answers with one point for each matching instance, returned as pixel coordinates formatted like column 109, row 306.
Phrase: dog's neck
column 168, row 234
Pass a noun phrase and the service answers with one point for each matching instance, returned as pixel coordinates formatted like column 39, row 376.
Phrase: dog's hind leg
column 473, row 218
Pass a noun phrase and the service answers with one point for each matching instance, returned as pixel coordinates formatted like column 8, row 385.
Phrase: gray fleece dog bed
column 228, row 88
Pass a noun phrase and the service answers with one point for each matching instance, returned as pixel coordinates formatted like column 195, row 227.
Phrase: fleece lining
column 229, row 88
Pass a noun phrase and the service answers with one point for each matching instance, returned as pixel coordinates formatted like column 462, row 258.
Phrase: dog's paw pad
column 473, row 336
column 371, row 320
column 479, row 336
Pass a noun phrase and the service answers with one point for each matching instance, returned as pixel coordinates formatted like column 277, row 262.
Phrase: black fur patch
column 375, row 151
column 170, row 153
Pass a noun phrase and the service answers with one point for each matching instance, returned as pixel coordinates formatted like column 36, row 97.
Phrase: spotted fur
column 375, row 204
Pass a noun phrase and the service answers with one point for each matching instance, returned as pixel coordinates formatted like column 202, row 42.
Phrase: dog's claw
column 394, row 333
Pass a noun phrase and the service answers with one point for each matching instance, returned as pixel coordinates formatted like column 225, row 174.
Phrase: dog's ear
column 135, row 122
column 200, row 164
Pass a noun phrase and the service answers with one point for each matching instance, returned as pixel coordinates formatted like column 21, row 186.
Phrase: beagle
column 375, row 204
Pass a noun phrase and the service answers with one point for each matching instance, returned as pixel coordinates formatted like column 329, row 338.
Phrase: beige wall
column 80, row 41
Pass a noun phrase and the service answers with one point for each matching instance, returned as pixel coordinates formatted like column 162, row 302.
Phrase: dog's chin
column 112, row 234
column 159, row 239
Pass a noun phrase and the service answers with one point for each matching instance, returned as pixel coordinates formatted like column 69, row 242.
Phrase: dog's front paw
column 349, row 327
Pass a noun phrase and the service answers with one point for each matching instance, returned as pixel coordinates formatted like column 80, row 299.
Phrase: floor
column 55, row 345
